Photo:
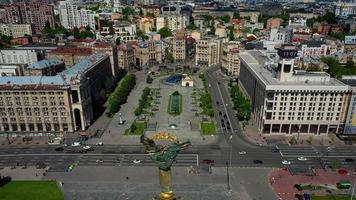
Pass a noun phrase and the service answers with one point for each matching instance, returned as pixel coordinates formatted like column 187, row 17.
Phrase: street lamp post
column 353, row 190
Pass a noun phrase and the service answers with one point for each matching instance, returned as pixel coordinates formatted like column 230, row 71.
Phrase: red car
column 207, row 161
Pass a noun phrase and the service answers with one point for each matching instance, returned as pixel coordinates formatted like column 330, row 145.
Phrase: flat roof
column 257, row 61
column 45, row 63
column 62, row 79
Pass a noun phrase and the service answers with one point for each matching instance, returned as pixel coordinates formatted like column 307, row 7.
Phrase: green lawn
column 138, row 130
column 208, row 128
column 330, row 197
column 31, row 190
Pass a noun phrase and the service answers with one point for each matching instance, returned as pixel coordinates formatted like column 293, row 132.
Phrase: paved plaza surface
column 114, row 133
column 106, row 183
column 283, row 182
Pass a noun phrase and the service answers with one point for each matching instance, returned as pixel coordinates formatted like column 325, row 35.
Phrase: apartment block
column 71, row 15
column 313, row 48
column 287, row 101
column 70, row 55
column 208, row 52
column 34, row 12
column 126, row 56
column 62, row 103
column 18, row 56
column 17, row 30
column 148, row 53
column 230, row 60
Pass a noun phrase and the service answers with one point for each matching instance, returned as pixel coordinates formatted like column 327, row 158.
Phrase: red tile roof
column 72, row 50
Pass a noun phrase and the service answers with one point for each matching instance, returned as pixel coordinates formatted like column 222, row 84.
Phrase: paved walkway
column 106, row 183
column 283, row 182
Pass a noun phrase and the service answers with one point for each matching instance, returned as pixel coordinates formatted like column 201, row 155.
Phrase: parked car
column 27, row 139
column 99, row 144
column 257, row 161
column 349, row 160
column 99, row 161
column 286, row 162
column 258, row 144
column 76, row 144
column 88, row 148
column 208, row 161
column 302, row 158
column 137, row 161
column 275, row 150
column 59, row 149
column 242, row 152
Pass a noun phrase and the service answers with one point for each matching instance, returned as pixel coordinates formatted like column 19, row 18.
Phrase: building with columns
column 287, row 101
column 63, row 103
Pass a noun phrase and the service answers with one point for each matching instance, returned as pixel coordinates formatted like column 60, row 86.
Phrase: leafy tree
column 128, row 11
column 6, row 39
column 225, row 18
column 165, row 32
column 237, row 15
column 118, row 41
column 231, row 33
column 350, row 64
column 141, row 11
column 149, row 79
column 47, row 28
column 76, row 33
column 191, row 26
column 86, row 33
column 141, row 35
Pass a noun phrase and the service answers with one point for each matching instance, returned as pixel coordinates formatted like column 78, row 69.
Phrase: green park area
column 332, row 197
column 34, row 190
column 208, row 128
column 137, row 128
column 175, row 104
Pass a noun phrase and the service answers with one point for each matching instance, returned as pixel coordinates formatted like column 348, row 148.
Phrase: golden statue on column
column 164, row 155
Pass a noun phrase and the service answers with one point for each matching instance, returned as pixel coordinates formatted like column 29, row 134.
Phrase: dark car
column 223, row 125
column 222, row 121
column 349, row 160
column 225, row 116
column 40, row 165
column 27, row 139
column 70, row 151
column 208, row 161
column 228, row 127
column 220, row 113
column 59, row 149
column 257, row 161
column 82, row 151
column 275, row 150
column 217, row 103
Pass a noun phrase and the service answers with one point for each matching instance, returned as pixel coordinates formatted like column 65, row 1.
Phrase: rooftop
column 313, row 43
column 72, row 50
column 260, row 64
column 45, row 63
column 65, row 78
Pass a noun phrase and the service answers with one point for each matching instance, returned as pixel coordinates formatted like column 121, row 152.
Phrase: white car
column 76, row 144
column 99, row 144
column 99, row 161
column 286, row 162
column 87, row 147
column 242, row 152
column 136, row 161
column 258, row 144
column 302, row 159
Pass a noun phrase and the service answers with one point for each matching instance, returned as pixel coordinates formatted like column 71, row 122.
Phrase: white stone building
column 17, row 30
column 287, row 101
column 71, row 15
column 18, row 56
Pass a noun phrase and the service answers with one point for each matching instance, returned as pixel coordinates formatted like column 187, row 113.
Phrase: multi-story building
column 35, row 12
column 145, row 24
column 230, row 60
column 48, row 67
column 281, row 35
column 173, row 22
column 125, row 31
column 11, row 70
column 344, row 9
column 17, row 30
column 313, row 48
column 288, row 101
column 111, row 51
column 274, row 22
column 350, row 44
column 63, row 103
column 19, row 56
column 148, row 53
column 152, row 10
column 297, row 21
column 71, row 15
column 179, row 47
column 350, row 123
column 126, row 56
column 208, row 52
column 70, row 55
